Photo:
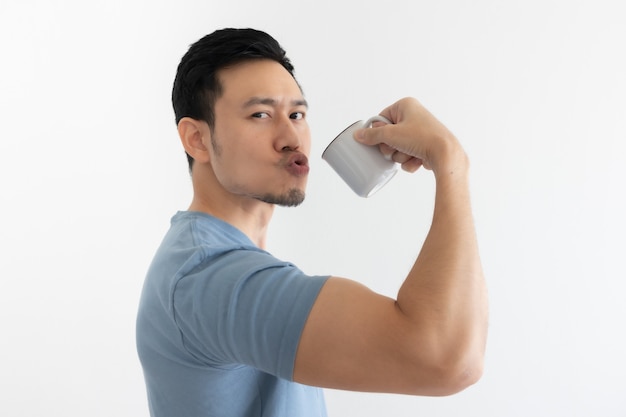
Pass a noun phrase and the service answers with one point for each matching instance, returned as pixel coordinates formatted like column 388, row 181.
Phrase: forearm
column 444, row 293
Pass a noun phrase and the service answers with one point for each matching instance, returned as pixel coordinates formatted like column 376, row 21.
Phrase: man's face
column 261, row 140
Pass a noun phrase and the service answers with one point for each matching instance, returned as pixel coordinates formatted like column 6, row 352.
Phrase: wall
column 91, row 171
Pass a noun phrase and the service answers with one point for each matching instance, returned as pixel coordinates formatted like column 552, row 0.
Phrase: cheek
column 236, row 165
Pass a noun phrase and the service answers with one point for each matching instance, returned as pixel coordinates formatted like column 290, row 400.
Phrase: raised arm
column 431, row 339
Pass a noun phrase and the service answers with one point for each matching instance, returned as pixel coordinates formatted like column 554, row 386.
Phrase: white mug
column 362, row 167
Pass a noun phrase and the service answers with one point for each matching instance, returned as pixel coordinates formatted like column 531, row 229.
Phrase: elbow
column 456, row 359
column 448, row 374
column 458, row 377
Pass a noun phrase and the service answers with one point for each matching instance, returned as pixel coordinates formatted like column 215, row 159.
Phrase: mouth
column 298, row 164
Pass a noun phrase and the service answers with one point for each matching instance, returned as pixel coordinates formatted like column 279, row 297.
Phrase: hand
column 416, row 138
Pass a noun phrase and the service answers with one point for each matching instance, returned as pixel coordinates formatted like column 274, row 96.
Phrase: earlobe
column 193, row 135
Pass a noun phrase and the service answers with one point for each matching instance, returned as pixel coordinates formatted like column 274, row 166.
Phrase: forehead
column 258, row 78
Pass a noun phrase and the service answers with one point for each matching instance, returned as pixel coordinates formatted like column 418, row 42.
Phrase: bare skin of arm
column 431, row 339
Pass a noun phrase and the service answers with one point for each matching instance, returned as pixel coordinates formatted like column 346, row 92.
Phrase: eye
column 297, row 115
column 260, row 115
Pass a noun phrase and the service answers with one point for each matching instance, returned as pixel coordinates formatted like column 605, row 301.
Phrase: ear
column 193, row 135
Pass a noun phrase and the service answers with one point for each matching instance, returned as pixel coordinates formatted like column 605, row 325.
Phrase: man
column 226, row 329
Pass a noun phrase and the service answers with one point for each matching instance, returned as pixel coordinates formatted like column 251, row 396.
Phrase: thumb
column 372, row 135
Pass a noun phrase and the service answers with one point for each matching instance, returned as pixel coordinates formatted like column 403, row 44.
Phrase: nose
column 288, row 135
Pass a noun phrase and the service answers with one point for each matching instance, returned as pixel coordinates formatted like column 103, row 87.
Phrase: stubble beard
column 291, row 198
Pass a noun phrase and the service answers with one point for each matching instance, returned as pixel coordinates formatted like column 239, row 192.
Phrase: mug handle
column 377, row 118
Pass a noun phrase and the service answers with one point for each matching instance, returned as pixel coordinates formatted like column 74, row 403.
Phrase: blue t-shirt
column 219, row 323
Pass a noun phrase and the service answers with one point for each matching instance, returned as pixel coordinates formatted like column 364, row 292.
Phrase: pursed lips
column 297, row 164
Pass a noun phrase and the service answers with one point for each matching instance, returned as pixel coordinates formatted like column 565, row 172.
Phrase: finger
column 373, row 135
column 412, row 165
column 400, row 157
column 378, row 123
column 386, row 150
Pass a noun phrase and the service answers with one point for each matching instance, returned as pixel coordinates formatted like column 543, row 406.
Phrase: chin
column 291, row 198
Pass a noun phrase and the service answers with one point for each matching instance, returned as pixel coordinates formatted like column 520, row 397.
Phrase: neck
column 249, row 215
column 252, row 221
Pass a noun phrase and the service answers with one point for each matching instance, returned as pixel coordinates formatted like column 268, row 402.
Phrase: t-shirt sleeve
column 245, row 307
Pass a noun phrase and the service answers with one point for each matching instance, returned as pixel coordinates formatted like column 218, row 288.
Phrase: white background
column 91, row 171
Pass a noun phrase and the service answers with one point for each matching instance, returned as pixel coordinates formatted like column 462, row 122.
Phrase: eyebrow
column 273, row 102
